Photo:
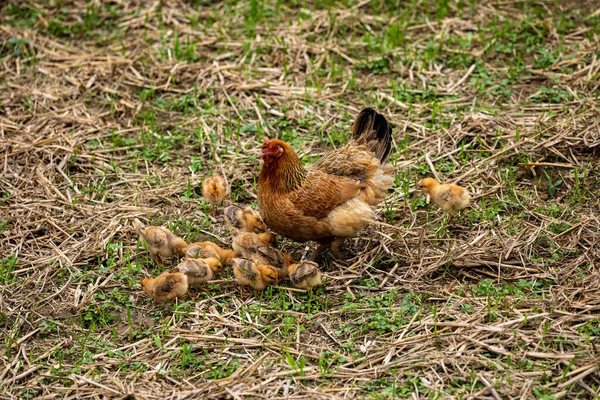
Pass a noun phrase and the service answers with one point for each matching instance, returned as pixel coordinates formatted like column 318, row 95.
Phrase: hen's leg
column 337, row 249
column 317, row 253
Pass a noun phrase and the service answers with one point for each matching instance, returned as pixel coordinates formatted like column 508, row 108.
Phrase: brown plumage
column 207, row 250
column 199, row 270
column 334, row 198
column 215, row 190
column 305, row 275
column 447, row 196
column 167, row 286
column 252, row 273
column 160, row 242
column 244, row 219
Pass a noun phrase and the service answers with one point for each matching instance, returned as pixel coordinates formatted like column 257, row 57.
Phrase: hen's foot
column 318, row 252
column 339, row 251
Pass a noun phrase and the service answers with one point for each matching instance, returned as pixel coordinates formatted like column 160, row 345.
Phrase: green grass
column 171, row 93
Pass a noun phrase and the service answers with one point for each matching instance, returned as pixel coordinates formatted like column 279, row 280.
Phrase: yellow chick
column 447, row 196
column 273, row 257
column 242, row 241
column 268, row 238
column 199, row 270
column 244, row 219
column 214, row 190
column 166, row 286
column 161, row 242
column 256, row 247
column 253, row 274
column 207, row 250
column 305, row 275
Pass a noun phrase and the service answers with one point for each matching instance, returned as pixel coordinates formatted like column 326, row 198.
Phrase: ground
column 117, row 110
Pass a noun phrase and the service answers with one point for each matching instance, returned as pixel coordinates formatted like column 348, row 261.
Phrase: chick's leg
column 158, row 260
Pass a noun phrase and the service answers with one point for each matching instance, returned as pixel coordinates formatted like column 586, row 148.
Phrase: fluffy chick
column 242, row 241
column 253, row 274
column 199, row 270
column 257, row 248
column 268, row 238
column 214, row 190
column 305, row 275
column 244, row 219
column 208, row 250
column 447, row 196
column 161, row 242
column 166, row 286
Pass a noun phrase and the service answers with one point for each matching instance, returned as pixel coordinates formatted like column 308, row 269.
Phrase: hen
column 337, row 196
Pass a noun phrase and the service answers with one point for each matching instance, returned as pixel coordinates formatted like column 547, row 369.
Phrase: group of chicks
column 255, row 260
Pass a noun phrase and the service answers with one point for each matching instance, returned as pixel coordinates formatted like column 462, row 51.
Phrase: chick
column 215, row 190
column 305, row 275
column 244, row 219
column 253, row 274
column 256, row 247
column 242, row 241
column 273, row 257
column 160, row 242
column 199, row 270
column 447, row 196
column 207, row 250
column 268, row 238
column 166, row 286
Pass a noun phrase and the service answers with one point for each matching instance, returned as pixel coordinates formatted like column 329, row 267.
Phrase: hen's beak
column 265, row 140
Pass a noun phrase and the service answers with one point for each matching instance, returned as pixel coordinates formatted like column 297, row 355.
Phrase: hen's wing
column 320, row 193
column 350, row 160
column 371, row 138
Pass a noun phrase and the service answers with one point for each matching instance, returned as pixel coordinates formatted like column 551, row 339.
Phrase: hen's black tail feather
column 376, row 132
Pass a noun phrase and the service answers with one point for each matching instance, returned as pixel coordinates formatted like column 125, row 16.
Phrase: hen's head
column 273, row 149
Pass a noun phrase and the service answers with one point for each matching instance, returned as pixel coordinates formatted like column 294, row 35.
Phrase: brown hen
column 334, row 198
